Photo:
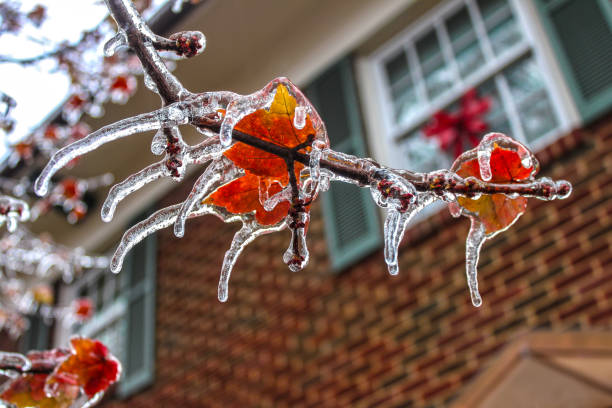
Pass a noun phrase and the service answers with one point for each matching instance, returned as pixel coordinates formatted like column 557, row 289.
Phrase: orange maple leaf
column 274, row 125
column 497, row 211
column 90, row 366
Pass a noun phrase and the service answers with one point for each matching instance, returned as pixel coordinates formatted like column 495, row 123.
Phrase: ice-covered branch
column 267, row 157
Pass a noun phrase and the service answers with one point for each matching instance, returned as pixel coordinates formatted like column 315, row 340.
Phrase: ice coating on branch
column 19, row 361
column 219, row 172
column 554, row 190
column 242, row 106
column 12, row 211
column 117, row 41
column 314, row 163
column 198, row 154
column 137, row 124
column 476, row 237
column 245, row 235
column 270, row 203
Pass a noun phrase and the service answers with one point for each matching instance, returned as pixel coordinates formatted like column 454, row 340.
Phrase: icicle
column 315, row 159
column 237, row 110
column 395, row 225
column 117, row 41
column 159, row 142
column 394, row 231
column 198, row 154
column 296, row 256
column 218, row 172
column 133, row 183
column 123, row 128
column 299, row 117
column 484, row 150
column 473, row 244
column 245, row 235
column 158, row 220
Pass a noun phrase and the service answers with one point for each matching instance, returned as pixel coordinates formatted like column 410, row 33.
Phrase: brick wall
column 364, row 338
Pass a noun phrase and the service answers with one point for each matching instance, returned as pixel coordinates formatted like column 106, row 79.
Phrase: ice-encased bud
column 117, row 41
column 159, row 142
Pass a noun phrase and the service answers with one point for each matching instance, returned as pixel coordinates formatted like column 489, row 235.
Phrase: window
column 125, row 314
column 460, row 45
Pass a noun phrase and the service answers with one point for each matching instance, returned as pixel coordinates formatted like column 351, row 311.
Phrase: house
column 342, row 332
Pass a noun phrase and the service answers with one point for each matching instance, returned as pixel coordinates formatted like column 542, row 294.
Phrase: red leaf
column 496, row 211
column 242, row 196
column 90, row 366
column 273, row 125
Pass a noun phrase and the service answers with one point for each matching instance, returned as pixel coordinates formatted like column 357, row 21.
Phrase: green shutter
column 37, row 335
column 139, row 296
column 351, row 220
column 581, row 34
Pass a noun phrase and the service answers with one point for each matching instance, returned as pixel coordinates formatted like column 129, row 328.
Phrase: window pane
column 405, row 102
column 500, row 23
column 531, row 98
column 496, row 118
column 464, row 42
column 438, row 77
column 423, row 153
column 136, row 348
column 397, row 68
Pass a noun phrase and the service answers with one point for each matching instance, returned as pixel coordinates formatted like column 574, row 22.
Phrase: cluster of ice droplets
column 13, row 211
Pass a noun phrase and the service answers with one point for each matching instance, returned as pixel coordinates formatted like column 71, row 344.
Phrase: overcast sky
column 38, row 91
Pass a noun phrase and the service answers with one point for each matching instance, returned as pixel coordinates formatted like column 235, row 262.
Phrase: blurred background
column 401, row 81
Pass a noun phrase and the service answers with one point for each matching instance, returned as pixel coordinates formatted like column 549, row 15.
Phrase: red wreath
column 454, row 130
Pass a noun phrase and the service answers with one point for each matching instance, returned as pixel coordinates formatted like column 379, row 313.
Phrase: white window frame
column 378, row 105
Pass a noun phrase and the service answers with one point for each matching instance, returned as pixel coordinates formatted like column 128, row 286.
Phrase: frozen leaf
column 496, row 211
column 272, row 125
column 90, row 366
column 28, row 391
column 276, row 125
column 242, row 196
